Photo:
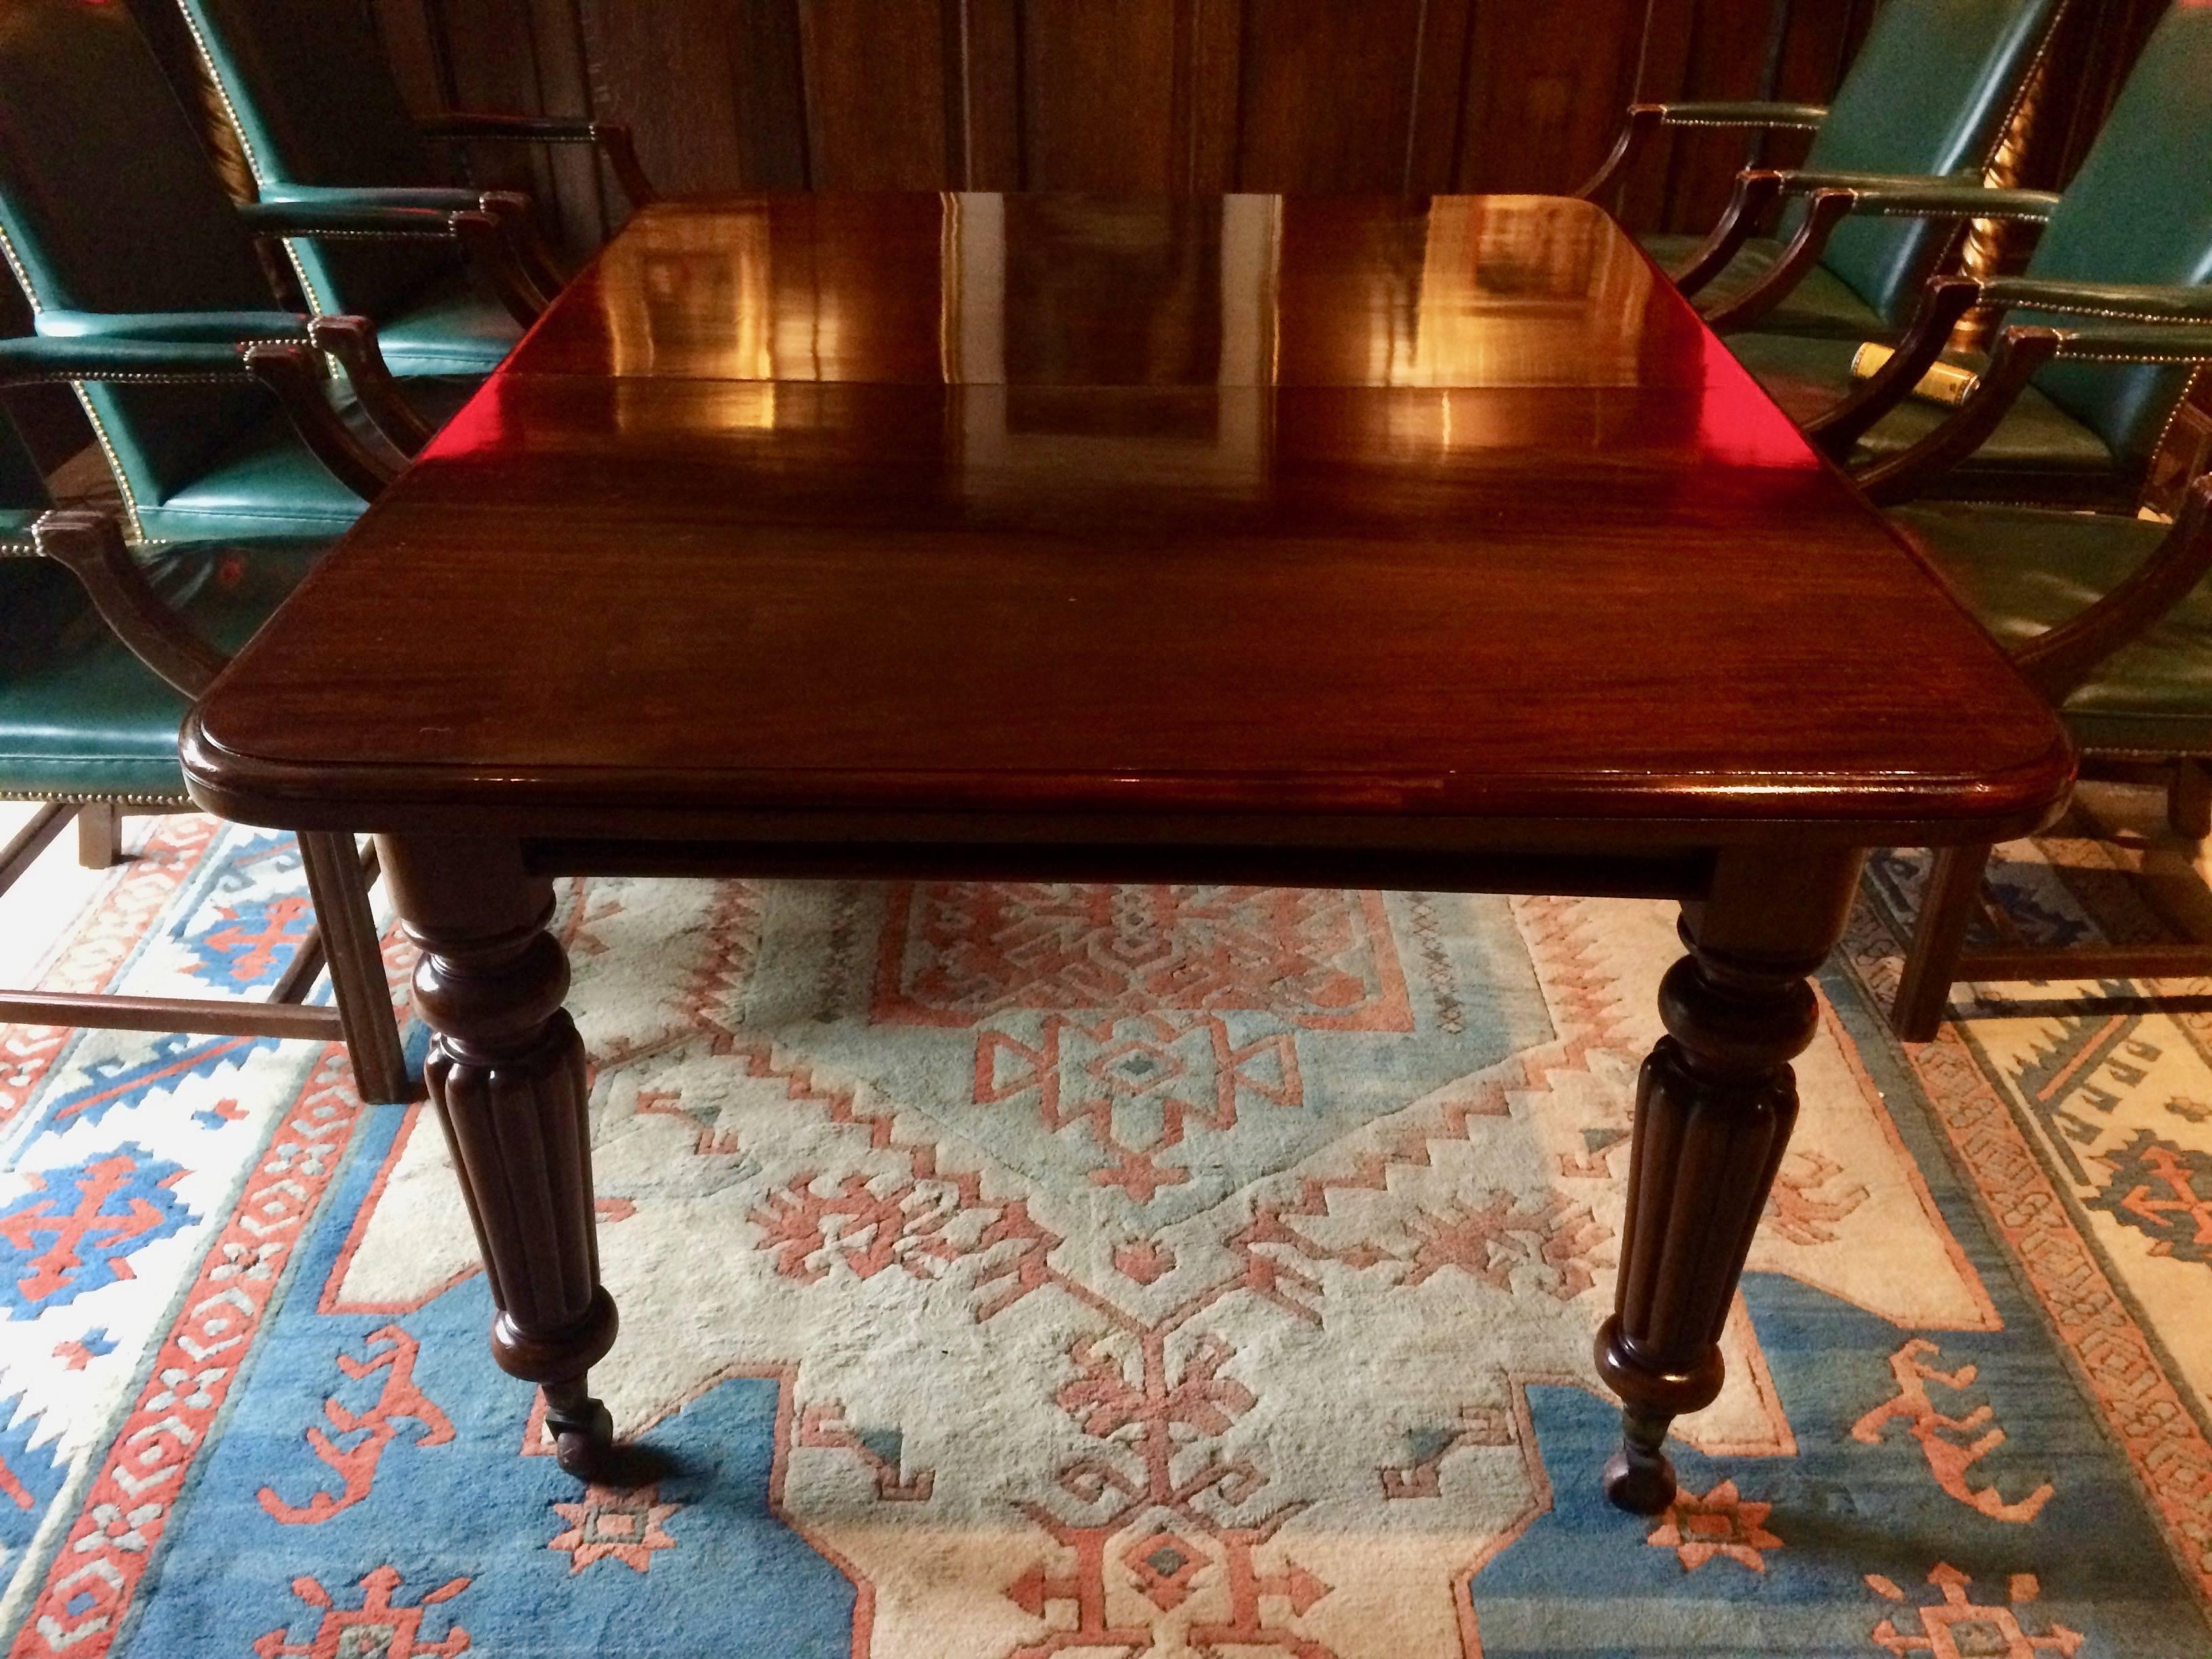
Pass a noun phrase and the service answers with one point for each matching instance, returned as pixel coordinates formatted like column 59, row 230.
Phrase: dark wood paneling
column 1101, row 107
column 1150, row 95
column 1298, row 131
column 1546, row 87
column 884, row 90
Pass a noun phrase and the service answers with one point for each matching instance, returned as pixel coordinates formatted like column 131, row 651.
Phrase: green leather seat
column 1823, row 305
column 108, row 206
column 2023, row 570
column 2138, row 212
column 311, row 96
column 1931, row 92
column 2038, row 439
column 80, row 715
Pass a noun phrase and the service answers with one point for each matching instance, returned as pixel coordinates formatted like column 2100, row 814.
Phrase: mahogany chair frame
column 91, row 547
column 2057, row 664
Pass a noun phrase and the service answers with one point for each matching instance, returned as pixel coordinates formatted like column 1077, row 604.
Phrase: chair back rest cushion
column 1931, row 91
column 2140, row 211
column 108, row 203
column 39, row 599
column 313, row 100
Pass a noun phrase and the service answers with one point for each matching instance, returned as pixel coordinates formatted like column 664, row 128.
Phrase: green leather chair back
column 2140, row 211
column 107, row 203
column 311, row 96
column 38, row 598
column 1931, row 92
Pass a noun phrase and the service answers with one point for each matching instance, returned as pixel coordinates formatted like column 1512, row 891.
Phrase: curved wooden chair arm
column 1757, row 190
column 612, row 139
column 90, row 546
column 484, row 234
column 617, row 144
column 2058, row 662
column 2021, row 354
column 351, row 341
column 512, row 208
column 1643, row 123
column 1824, row 211
column 1947, row 301
column 291, row 371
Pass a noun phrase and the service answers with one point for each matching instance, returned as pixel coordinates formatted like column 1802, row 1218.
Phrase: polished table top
column 1442, row 509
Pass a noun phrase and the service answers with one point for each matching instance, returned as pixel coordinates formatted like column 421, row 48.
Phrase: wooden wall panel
column 1298, row 131
column 1149, row 95
column 884, row 90
column 1127, row 131
column 1546, row 87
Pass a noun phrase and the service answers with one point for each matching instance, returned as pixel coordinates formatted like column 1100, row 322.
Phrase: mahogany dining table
column 1424, row 542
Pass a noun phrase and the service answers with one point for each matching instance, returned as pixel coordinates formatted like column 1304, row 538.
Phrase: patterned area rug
column 1023, row 1271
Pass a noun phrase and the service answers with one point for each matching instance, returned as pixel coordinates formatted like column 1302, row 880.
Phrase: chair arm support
column 172, row 327
column 1827, row 209
column 35, row 358
column 1754, row 112
column 350, row 217
column 2059, row 661
column 90, row 546
column 2120, row 302
column 1645, row 121
column 612, row 139
column 351, row 343
column 1908, row 197
column 441, row 198
column 1942, row 305
column 484, row 230
column 1833, row 203
column 511, row 208
column 2138, row 342
column 2020, row 353
column 288, row 368
column 293, row 373
column 1756, row 192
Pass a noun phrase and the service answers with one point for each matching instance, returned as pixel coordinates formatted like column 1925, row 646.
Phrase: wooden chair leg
column 348, row 932
column 1947, row 905
column 2189, row 800
column 32, row 839
column 99, row 835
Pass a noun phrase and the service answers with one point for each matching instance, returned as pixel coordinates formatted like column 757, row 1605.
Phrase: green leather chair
column 1932, row 91
column 101, row 655
column 2111, row 618
column 2130, row 240
column 321, row 121
column 135, row 260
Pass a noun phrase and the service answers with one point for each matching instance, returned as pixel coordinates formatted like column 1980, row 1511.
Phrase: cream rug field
column 1049, row 1271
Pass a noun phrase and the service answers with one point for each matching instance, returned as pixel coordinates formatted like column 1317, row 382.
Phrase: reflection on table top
column 1054, row 290
column 1335, row 506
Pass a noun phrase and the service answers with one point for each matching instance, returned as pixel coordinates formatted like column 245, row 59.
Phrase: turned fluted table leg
column 1714, row 1108
column 506, row 1074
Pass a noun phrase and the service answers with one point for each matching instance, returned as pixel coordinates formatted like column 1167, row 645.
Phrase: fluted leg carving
column 1714, row 1108
column 506, row 1072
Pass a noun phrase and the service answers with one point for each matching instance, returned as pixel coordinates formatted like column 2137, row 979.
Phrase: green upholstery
column 37, row 599
column 2039, row 451
column 107, row 205
column 2140, row 211
column 1822, row 306
column 315, row 104
column 1930, row 92
column 2023, row 570
column 79, row 714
